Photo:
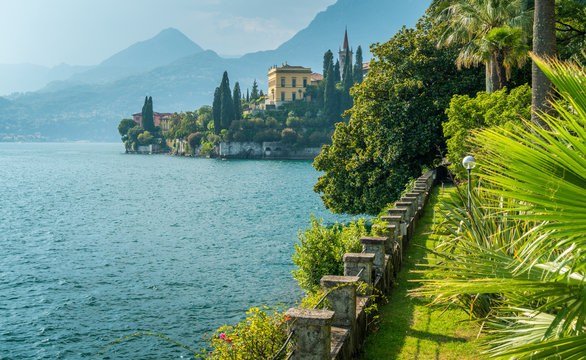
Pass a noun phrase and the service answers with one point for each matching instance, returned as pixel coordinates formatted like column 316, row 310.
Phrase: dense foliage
column 321, row 248
column 485, row 110
column 395, row 124
column 518, row 255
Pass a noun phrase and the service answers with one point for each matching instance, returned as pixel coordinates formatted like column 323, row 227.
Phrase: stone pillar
column 342, row 297
column 418, row 196
column 414, row 203
column 402, row 212
column 396, row 221
column 376, row 246
column 313, row 331
column 354, row 263
column 409, row 206
column 386, row 231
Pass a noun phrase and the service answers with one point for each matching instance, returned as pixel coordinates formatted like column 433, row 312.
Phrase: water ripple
column 97, row 245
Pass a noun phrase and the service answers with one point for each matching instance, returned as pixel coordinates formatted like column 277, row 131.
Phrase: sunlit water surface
column 96, row 244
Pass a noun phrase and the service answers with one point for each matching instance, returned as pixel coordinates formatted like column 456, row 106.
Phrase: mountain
column 29, row 77
column 367, row 21
column 166, row 47
column 86, row 107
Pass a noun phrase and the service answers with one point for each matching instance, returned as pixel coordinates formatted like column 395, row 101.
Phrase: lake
column 97, row 244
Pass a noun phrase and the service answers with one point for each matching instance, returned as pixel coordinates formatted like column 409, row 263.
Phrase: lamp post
column 469, row 162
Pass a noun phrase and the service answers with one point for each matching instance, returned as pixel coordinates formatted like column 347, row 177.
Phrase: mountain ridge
column 76, row 110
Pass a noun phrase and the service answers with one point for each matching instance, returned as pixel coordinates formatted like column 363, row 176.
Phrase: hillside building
column 287, row 83
column 160, row 119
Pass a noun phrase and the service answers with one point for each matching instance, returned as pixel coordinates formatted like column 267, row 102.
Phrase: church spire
column 345, row 40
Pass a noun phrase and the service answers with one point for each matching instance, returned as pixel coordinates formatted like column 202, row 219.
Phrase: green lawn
column 409, row 328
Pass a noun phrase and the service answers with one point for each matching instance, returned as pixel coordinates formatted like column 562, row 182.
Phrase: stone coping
column 330, row 281
column 374, row 240
column 312, row 317
column 358, row 257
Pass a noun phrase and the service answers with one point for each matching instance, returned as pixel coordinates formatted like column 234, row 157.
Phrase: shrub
column 289, row 135
column 321, row 248
column 145, row 138
column 259, row 336
column 267, row 135
column 483, row 111
column 194, row 140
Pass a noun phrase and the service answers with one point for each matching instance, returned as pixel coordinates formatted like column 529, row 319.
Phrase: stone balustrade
column 338, row 334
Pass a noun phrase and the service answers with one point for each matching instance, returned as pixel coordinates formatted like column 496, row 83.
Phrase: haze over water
column 96, row 244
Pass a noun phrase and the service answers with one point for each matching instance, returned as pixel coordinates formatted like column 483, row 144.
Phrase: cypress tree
column 148, row 120
column 358, row 66
column 328, row 61
column 144, row 106
column 247, row 95
column 346, row 101
column 330, row 96
column 217, row 111
column 226, row 102
column 261, row 94
column 237, row 102
column 337, row 71
column 254, row 94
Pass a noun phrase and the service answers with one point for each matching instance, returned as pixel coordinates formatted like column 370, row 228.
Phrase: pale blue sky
column 85, row 32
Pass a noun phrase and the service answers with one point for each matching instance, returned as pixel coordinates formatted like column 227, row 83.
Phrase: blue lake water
column 96, row 244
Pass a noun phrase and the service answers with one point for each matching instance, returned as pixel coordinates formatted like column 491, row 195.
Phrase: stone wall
column 339, row 334
column 265, row 150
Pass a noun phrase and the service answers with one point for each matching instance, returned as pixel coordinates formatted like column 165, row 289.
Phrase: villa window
column 282, row 96
column 293, row 96
column 282, row 82
column 294, row 82
column 304, row 82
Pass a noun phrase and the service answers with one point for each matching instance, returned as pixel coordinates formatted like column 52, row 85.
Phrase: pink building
column 157, row 118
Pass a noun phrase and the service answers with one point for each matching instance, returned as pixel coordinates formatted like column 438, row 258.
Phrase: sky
column 86, row 32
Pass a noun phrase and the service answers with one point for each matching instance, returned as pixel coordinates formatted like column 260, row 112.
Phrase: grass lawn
column 408, row 328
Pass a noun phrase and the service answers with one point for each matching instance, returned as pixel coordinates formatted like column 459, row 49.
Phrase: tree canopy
column 395, row 125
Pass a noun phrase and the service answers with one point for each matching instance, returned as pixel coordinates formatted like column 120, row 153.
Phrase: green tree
column 331, row 97
column 254, row 94
column 226, row 103
column 328, row 61
column 469, row 21
column 357, row 73
column 337, row 72
column 486, row 110
column 348, row 81
column 147, row 115
column 217, row 111
column 124, row 126
column 237, row 102
column 395, row 124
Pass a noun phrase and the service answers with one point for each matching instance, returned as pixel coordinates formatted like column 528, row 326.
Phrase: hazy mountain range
column 86, row 103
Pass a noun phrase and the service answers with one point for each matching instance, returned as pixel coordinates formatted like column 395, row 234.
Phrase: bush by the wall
column 321, row 248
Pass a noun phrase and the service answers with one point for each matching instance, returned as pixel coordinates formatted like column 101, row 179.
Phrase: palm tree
column 468, row 22
column 544, row 45
column 526, row 251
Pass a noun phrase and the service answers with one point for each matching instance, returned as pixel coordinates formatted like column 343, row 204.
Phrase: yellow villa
column 287, row 83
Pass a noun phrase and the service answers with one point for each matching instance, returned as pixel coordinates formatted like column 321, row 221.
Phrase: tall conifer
column 217, row 111
column 330, row 96
column 254, row 94
column 237, row 97
column 358, row 66
column 226, row 102
column 147, row 119
column 337, row 71
column 328, row 61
